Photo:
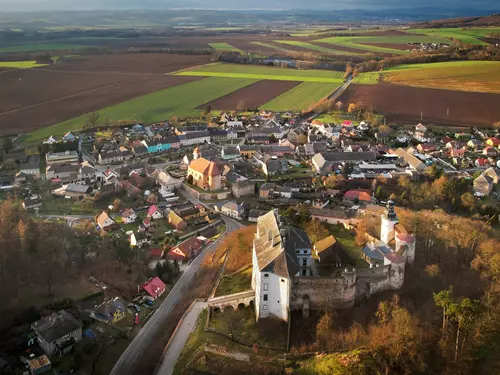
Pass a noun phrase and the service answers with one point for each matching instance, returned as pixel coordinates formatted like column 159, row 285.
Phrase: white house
column 139, row 239
column 233, row 209
column 280, row 253
column 128, row 216
column 57, row 332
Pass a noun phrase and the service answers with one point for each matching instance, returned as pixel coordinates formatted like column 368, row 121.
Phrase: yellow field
column 476, row 76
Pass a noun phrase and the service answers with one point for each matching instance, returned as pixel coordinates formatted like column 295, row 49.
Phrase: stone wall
column 206, row 195
column 379, row 279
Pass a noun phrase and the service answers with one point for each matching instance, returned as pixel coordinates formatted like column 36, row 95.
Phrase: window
column 265, row 297
column 304, row 251
column 266, row 275
column 266, row 287
column 282, row 280
column 304, row 272
column 304, row 262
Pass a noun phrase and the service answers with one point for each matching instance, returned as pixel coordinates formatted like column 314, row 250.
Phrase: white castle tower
column 389, row 221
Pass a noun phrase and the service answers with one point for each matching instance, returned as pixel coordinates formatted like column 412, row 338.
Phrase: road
column 179, row 340
column 145, row 337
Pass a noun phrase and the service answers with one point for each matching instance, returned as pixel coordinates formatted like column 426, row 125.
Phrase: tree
column 333, row 181
column 92, row 120
column 378, row 192
column 190, row 179
column 468, row 201
column 7, row 144
column 339, row 105
column 323, row 329
column 353, row 107
column 463, row 313
column 117, row 205
column 240, row 106
column 444, row 299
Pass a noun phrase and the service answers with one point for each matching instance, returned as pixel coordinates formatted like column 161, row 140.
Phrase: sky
column 242, row 4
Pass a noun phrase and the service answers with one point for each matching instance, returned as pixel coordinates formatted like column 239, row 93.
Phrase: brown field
column 402, row 47
column 405, row 104
column 342, row 48
column 253, row 96
column 35, row 98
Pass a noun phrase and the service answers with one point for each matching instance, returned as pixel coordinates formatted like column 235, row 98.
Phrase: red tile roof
column 152, row 210
column 154, row 287
column 205, row 167
column 156, row 252
column 362, row 195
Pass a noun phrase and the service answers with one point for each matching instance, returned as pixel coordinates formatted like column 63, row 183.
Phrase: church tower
column 389, row 220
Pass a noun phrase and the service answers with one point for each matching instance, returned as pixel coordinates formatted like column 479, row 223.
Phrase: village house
column 204, row 174
column 58, row 332
column 490, row 152
column 109, row 312
column 493, row 142
column 323, row 162
column 111, row 157
column 248, row 151
column 243, row 188
column 128, row 216
column 326, row 251
column 186, row 250
column 414, row 163
column 31, row 167
column 155, row 213
column 105, row 223
column 154, row 288
column 59, row 158
column 254, row 214
column 195, row 138
column 234, row 210
column 484, row 183
column 71, row 190
column 358, row 196
column 266, row 191
column 33, row 202
column 139, row 239
column 176, row 221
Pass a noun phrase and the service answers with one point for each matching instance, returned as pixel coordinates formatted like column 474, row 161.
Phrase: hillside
column 491, row 20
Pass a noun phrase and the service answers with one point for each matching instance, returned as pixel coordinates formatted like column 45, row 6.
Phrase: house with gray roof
column 280, row 253
column 57, row 332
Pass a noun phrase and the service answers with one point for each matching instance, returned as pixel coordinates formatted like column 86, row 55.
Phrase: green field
column 357, row 42
column 264, row 72
column 300, row 97
column 469, row 36
column 179, row 100
column 478, row 76
column 314, row 47
column 224, row 47
column 41, row 47
column 20, row 64
column 267, row 45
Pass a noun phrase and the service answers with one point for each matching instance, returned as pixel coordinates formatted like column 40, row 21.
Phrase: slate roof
column 56, row 325
column 276, row 252
column 349, row 156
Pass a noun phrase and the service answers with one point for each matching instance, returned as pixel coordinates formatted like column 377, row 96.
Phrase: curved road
column 144, row 338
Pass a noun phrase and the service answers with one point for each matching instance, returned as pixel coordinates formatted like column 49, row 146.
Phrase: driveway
column 178, row 341
column 144, row 338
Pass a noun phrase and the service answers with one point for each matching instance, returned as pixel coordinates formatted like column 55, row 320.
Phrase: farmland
column 20, row 64
column 224, row 47
column 367, row 43
column 315, row 47
column 253, row 96
column 271, row 46
column 30, row 47
column 262, row 72
column 469, row 35
column 300, row 97
column 407, row 104
column 476, row 76
column 180, row 100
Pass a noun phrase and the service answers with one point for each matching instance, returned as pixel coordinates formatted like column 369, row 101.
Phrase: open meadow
column 300, row 97
column 468, row 35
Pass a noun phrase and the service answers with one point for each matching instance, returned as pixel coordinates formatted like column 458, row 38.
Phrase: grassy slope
column 20, row 64
column 224, row 47
column 235, row 283
column 464, row 35
column 263, row 72
column 478, row 76
column 314, row 47
column 178, row 100
column 300, row 97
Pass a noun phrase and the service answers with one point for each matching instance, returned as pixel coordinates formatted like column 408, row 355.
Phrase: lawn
column 41, row 47
column 20, row 64
column 314, row 47
column 469, row 36
column 264, row 72
column 369, row 78
column 222, row 47
column 478, row 76
column 267, row 45
column 179, row 100
column 357, row 42
column 346, row 238
column 235, row 283
column 300, row 97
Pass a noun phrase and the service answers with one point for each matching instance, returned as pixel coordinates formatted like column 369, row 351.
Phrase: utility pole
column 421, row 115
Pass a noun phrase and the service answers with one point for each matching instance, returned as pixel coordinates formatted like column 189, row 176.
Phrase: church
column 282, row 263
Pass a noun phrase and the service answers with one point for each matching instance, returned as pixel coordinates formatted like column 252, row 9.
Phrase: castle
column 283, row 276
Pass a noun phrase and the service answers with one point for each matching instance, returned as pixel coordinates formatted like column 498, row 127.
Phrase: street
column 144, row 338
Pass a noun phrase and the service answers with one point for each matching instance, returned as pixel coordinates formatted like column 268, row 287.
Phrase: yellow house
column 204, row 174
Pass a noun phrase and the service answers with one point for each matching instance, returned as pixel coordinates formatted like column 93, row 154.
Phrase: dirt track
column 405, row 104
column 253, row 96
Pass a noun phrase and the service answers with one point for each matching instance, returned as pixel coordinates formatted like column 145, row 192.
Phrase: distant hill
column 491, row 20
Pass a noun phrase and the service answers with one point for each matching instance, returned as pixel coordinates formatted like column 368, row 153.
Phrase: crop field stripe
column 267, row 45
column 20, row 64
column 224, row 47
column 300, row 97
column 355, row 42
column 261, row 76
column 179, row 100
column 464, row 35
column 41, row 47
column 314, row 47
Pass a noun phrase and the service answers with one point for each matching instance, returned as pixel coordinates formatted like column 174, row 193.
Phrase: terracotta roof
column 362, row 195
column 204, row 167
column 153, row 287
column 102, row 218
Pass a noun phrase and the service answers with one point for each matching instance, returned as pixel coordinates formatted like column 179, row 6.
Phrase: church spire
column 389, row 211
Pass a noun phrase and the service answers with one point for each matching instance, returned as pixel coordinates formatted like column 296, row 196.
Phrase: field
column 223, row 47
column 316, row 48
column 405, row 104
column 300, row 97
column 263, row 72
column 39, row 97
column 476, row 76
column 373, row 43
column 41, row 47
column 180, row 100
column 270, row 46
column 253, row 96
column 20, row 64
column 470, row 36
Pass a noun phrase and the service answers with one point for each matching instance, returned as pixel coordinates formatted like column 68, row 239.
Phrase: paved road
column 179, row 340
column 144, row 338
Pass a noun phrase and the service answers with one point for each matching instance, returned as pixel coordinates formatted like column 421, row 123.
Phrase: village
column 170, row 191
